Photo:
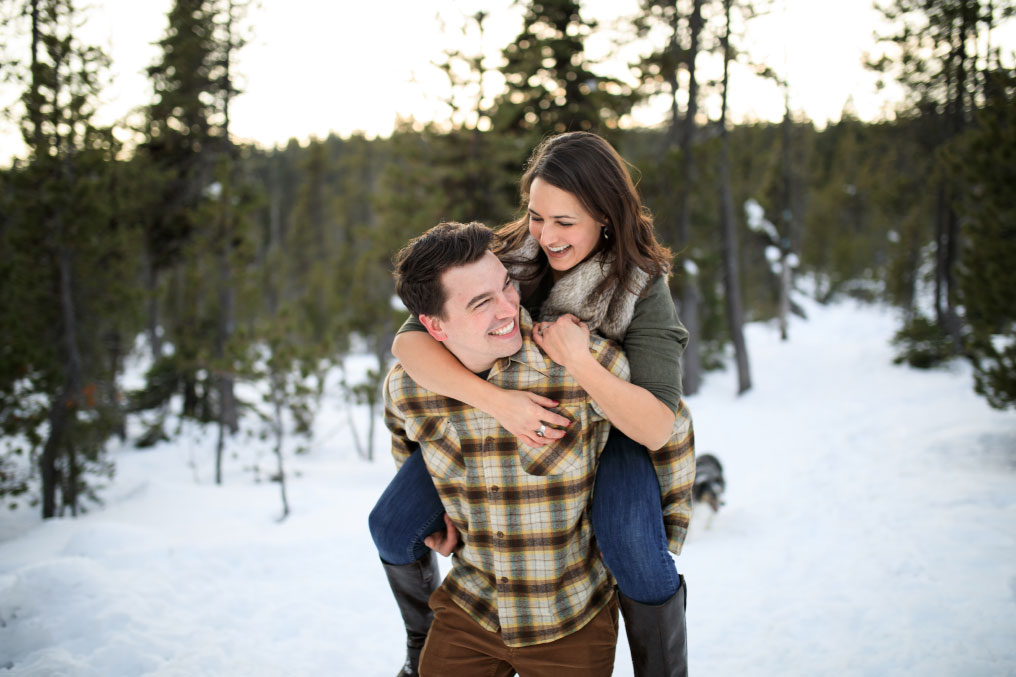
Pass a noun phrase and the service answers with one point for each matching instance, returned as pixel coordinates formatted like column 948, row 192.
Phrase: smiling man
column 528, row 591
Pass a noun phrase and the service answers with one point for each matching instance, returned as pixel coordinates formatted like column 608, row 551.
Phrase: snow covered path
column 870, row 529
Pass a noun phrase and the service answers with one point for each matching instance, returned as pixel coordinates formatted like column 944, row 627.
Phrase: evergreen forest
column 243, row 275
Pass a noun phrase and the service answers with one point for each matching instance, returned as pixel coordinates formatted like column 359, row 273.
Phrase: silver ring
column 542, row 431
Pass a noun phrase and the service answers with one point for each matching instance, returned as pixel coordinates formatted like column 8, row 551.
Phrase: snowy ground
column 870, row 529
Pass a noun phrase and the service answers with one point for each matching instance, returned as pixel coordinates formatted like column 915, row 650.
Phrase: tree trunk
column 785, row 276
column 688, row 168
column 673, row 132
column 951, row 231
column 48, row 460
column 227, row 294
column 691, row 360
column 227, row 323
column 950, row 317
column 786, row 216
column 111, row 394
column 220, row 445
column 227, row 414
column 731, row 277
column 940, row 290
column 35, row 109
column 64, row 404
column 72, row 480
column 277, row 425
column 152, row 301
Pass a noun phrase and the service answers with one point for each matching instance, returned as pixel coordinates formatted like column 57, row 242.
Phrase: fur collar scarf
column 608, row 312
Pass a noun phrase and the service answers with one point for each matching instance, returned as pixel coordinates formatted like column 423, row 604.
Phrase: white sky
column 313, row 67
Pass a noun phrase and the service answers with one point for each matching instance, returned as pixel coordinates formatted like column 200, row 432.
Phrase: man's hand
column 443, row 542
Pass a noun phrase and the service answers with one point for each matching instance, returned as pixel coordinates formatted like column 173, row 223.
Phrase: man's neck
column 476, row 367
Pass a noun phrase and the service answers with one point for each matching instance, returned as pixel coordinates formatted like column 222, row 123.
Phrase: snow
column 869, row 529
column 757, row 221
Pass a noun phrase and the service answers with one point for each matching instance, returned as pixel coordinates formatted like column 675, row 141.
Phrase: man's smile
column 506, row 330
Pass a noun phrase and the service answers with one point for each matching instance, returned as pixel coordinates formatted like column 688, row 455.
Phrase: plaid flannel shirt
column 528, row 566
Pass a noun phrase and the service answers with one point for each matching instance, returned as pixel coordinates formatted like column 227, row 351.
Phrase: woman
column 584, row 255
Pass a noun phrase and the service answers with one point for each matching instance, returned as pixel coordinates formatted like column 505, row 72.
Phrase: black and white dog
column 709, row 483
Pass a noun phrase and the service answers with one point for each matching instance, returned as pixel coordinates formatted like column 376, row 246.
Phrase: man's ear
column 434, row 327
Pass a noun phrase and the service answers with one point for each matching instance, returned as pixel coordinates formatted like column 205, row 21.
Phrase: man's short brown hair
column 420, row 264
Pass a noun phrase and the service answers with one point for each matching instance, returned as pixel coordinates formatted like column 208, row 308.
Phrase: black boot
column 412, row 585
column 657, row 635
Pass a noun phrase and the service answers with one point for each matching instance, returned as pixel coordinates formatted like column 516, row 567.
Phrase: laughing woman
column 586, row 258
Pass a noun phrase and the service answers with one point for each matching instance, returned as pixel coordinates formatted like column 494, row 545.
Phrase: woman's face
column 567, row 233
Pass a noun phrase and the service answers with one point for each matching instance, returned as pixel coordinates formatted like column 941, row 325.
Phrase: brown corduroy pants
column 458, row 646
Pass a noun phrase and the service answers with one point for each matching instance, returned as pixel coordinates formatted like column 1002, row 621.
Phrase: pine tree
column 551, row 85
column 939, row 61
column 65, row 255
column 984, row 163
column 197, row 239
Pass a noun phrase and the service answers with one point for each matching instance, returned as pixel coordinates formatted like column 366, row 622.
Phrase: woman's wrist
column 581, row 363
column 488, row 398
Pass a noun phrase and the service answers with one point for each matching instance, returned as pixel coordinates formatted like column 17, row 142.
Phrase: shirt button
column 504, row 579
column 490, row 440
column 493, row 489
column 500, row 534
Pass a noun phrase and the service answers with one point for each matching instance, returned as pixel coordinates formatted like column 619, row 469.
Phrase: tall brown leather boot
column 412, row 585
column 657, row 635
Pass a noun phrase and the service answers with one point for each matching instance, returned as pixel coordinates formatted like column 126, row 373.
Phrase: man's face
column 481, row 314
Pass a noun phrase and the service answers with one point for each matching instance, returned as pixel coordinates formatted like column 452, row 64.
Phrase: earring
column 606, row 235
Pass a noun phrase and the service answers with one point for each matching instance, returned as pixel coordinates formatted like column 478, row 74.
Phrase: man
column 528, row 591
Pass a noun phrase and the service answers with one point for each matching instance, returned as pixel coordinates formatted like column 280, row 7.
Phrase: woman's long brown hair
column 589, row 168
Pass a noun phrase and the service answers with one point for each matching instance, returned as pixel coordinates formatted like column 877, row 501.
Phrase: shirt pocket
column 564, row 456
column 439, row 444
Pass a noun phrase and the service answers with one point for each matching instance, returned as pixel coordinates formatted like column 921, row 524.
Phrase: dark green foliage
column 949, row 67
column 943, row 52
column 860, row 228
column 921, row 343
column 984, row 162
column 551, row 86
column 197, row 220
column 63, row 256
column 180, row 129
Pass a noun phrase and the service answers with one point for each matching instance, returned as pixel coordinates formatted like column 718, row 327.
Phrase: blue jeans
column 626, row 513
column 408, row 511
column 628, row 522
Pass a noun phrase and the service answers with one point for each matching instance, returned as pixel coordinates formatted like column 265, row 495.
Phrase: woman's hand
column 564, row 340
column 522, row 413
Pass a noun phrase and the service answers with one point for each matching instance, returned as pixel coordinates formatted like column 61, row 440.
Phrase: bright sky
column 313, row 67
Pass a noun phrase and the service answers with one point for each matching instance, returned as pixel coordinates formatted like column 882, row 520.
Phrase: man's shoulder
column 610, row 354
column 412, row 400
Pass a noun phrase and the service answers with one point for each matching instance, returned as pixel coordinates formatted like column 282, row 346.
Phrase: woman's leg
column 408, row 511
column 628, row 522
